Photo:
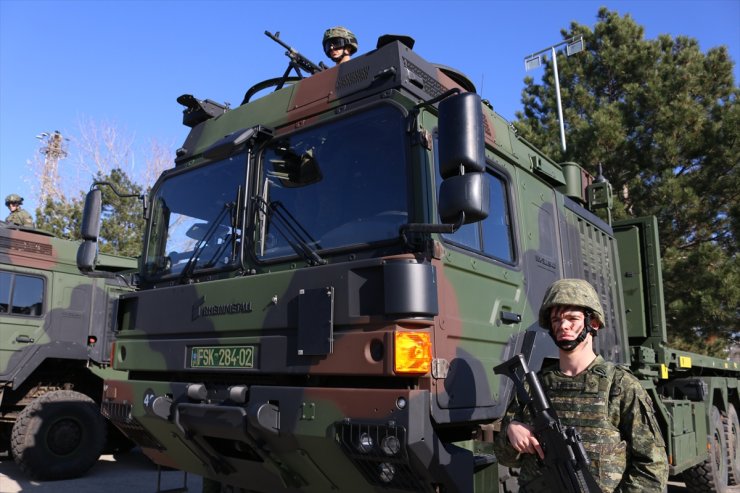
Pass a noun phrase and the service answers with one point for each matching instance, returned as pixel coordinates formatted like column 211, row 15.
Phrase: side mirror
column 468, row 194
column 86, row 254
column 90, row 230
column 462, row 160
column 461, row 139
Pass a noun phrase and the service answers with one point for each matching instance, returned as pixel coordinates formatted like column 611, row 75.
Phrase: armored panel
column 393, row 66
column 639, row 257
column 630, row 260
column 592, row 249
column 315, row 321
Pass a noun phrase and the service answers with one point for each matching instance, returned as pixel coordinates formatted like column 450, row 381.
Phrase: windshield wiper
column 187, row 271
column 291, row 229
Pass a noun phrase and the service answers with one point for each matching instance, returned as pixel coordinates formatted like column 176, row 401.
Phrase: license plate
column 223, row 356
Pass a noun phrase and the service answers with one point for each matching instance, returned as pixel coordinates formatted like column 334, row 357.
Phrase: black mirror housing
column 461, row 135
column 467, row 193
column 86, row 254
column 90, row 228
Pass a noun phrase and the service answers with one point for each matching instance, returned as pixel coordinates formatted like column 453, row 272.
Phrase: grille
column 26, row 246
column 120, row 415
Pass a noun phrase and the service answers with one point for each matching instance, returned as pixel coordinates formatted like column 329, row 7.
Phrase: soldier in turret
column 17, row 215
column 339, row 44
column 604, row 402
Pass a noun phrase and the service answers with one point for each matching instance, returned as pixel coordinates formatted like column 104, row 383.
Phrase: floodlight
column 532, row 62
column 575, row 45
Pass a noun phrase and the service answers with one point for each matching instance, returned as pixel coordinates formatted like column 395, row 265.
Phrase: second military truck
column 56, row 329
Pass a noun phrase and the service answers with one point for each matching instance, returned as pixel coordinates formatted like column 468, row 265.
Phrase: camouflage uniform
column 606, row 404
column 19, row 216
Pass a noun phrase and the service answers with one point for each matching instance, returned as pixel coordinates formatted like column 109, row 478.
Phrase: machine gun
column 565, row 466
column 297, row 62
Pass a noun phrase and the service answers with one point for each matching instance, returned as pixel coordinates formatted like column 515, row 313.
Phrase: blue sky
column 123, row 63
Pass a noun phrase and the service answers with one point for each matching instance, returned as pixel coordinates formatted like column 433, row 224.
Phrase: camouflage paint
column 64, row 339
column 295, row 420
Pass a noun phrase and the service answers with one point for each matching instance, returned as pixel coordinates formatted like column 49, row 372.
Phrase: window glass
column 334, row 185
column 497, row 227
column 194, row 219
column 28, row 295
column 492, row 236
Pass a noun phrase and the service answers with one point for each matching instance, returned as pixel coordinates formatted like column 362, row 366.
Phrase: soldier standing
column 339, row 44
column 604, row 402
column 17, row 215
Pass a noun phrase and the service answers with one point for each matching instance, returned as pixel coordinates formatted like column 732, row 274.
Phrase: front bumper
column 291, row 439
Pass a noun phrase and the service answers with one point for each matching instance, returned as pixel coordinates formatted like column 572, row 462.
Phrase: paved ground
column 132, row 473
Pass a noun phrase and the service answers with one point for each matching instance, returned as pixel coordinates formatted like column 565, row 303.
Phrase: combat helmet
column 571, row 292
column 13, row 198
column 340, row 34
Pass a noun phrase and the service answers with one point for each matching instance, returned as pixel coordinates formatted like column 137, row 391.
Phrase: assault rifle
column 297, row 61
column 565, row 466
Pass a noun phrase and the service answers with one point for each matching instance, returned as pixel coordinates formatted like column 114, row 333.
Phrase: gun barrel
column 275, row 37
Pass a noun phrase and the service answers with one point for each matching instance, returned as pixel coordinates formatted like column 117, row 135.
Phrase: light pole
column 572, row 46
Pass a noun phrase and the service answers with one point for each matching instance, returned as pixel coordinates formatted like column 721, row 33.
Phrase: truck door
column 481, row 302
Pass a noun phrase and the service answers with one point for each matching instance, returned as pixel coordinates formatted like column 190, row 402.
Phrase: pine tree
column 122, row 227
column 662, row 119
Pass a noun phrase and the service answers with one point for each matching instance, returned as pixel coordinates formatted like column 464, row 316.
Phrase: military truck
column 56, row 328
column 331, row 270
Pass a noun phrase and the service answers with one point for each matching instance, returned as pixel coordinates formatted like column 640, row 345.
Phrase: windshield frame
column 154, row 248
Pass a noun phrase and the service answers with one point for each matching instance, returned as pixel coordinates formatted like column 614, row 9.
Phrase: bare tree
column 97, row 148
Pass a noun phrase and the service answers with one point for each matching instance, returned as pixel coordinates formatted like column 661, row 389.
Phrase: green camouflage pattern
column 56, row 331
column 570, row 292
column 20, row 217
column 266, row 359
column 615, row 418
column 13, row 198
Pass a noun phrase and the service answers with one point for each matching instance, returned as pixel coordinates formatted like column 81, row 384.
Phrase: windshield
column 193, row 222
column 335, row 185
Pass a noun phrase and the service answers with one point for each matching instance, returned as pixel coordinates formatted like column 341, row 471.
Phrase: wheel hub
column 64, row 436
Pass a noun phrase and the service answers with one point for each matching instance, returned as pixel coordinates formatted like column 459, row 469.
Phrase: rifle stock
column 565, row 466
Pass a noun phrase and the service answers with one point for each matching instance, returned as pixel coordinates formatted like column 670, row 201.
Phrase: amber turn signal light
column 412, row 353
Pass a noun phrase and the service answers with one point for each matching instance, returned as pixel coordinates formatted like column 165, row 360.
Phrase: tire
column 732, row 435
column 711, row 475
column 60, row 435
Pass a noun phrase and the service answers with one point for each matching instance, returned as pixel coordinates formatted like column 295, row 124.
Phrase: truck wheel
column 732, row 435
column 711, row 475
column 60, row 435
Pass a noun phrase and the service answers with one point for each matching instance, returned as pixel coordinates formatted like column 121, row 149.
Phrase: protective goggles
column 334, row 43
